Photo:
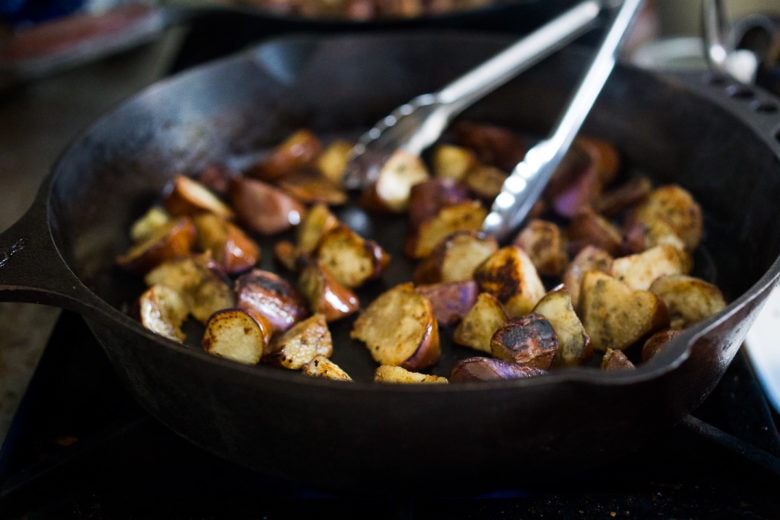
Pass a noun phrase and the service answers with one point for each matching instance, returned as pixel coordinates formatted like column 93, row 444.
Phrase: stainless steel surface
column 415, row 125
column 527, row 181
column 37, row 121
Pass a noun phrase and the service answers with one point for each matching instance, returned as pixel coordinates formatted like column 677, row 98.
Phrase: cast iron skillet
column 717, row 139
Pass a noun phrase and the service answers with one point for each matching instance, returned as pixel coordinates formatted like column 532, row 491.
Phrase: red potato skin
column 481, row 368
column 528, row 340
column 428, row 352
column 428, row 197
column 178, row 242
column 180, row 198
column 262, row 208
column 272, row 297
column 450, row 301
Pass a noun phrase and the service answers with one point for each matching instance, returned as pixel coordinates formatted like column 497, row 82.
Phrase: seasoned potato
column 238, row 335
column 171, row 240
column 616, row 316
column 639, row 270
column 451, row 161
column 183, row 195
column 317, row 221
column 488, row 369
column 193, row 277
column 325, row 294
column 391, row 190
column 399, row 328
column 528, row 340
column 428, row 197
column 263, row 208
column 301, row 343
column 493, row 145
column 148, row 224
column 574, row 346
column 332, row 162
column 479, row 324
column 450, row 301
column 162, row 310
column 300, row 149
column 510, row 275
column 588, row 228
column 269, row 295
column 676, row 207
column 322, row 366
column 455, row 258
column 465, row 216
column 310, row 187
column 616, row 360
column 615, row 201
column 351, row 259
column 546, row 245
column 655, row 343
column 485, row 181
column 396, row 374
column 641, row 236
column 226, row 242
column 689, row 299
column 590, row 258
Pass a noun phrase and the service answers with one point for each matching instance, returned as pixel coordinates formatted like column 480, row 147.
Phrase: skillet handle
column 33, row 270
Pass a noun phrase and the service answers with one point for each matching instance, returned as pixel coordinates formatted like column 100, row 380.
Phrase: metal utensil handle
column 531, row 49
column 525, row 184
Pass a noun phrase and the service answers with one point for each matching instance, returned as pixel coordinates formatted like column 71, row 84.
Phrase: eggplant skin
column 480, row 368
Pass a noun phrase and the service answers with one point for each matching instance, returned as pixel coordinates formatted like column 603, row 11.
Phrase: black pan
column 717, row 139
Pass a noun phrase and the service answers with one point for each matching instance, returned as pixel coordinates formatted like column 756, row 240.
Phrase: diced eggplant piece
column 399, row 328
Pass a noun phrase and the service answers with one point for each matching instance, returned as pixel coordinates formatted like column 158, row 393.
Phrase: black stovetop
column 81, row 448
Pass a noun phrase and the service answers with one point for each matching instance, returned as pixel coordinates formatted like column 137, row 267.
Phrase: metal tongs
column 415, row 125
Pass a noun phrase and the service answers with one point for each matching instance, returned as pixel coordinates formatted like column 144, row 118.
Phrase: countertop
column 37, row 122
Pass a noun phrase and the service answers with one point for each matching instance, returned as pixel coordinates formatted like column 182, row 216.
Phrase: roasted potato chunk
column 574, row 347
column 510, row 275
column 263, row 208
column 528, row 340
column 546, row 245
column 399, row 328
column 396, row 374
column 587, row 228
column 392, row 188
column 689, row 299
column 675, row 206
column 428, row 197
column 316, row 223
column 332, row 162
column 325, row 294
column 655, row 343
column 226, row 243
column 485, row 181
column 171, row 240
column 615, row 201
column 639, row 270
column 194, row 278
column 322, row 366
column 271, row 296
column 301, row 343
column 477, row 327
column 590, row 258
column 451, row 161
column 309, row 187
column 185, row 196
column 351, row 259
column 465, row 216
column 162, row 310
column 616, row 360
column 493, row 145
column 455, row 258
column 488, row 369
column 451, row 301
column 616, row 316
column 238, row 335
column 149, row 223
column 300, row 149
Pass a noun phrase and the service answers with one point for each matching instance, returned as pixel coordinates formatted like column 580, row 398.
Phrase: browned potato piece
column 616, row 316
column 226, row 242
column 641, row 236
column 333, row 160
column 579, row 194
column 271, row 296
column 480, row 323
column 546, row 245
column 485, row 181
column 616, row 360
column 450, row 301
column 574, row 346
column 185, row 196
column 325, row 294
column 639, row 270
column 203, row 290
column 452, row 162
column 675, row 206
column 301, row 343
column 391, row 190
column 322, row 366
column 588, row 228
column 428, row 197
column 263, row 208
column 494, row 145
column 689, row 299
column 590, row 258
column 287, row 254
column 148, row 224
column 465, row 216
column 399, row 328
column 171, row 240
column 396, row 374
column 301, row 148
column 163, row 310
column 317, row 221
column 238, row 335
column 488, row 369
column 351, row 259
column 455, row 258
column 656, row 342
column 626, row 195
column 215, row 177
column 309, row 187
column 528, row 340
column 603, row 155
column 510, row 275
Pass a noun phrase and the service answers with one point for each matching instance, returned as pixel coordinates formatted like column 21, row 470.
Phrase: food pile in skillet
column 600, row 275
